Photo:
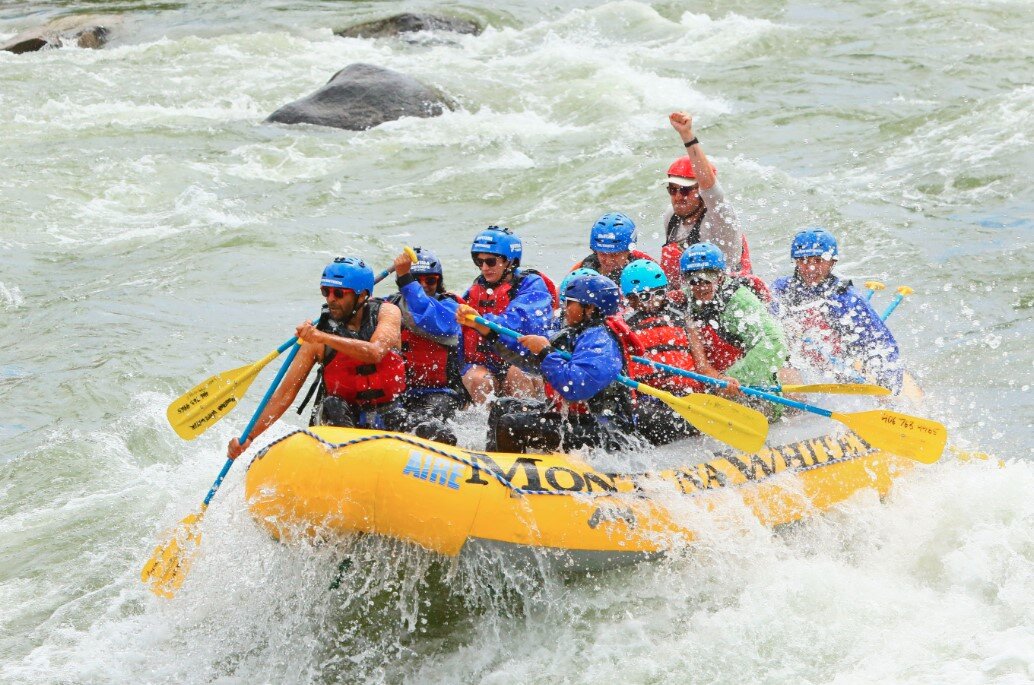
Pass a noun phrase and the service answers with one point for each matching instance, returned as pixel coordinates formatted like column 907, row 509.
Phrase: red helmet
column 681, row 172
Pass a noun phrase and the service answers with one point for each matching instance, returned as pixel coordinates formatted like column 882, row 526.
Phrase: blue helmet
column 427, row 263
column 499, row 241
column 581, row 271
column 814, row 242
column 642, row 274
column 613, row 232
column 348, row 272
column 596, row 290
column 702, row 257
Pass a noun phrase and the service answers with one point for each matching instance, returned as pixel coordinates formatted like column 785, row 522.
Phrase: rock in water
column 362, row 96
column 84, row 30
column 408, row 23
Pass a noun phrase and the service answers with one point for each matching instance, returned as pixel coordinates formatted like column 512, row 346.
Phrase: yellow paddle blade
column 168, row 566
column 198, row 409
column 910, row 436
column 411, row 253
column 838, row 389
column 732, row 423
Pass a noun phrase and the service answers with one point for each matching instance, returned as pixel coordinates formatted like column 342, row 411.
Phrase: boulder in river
column 362, row 96
column 409, row 23
column 83, row 30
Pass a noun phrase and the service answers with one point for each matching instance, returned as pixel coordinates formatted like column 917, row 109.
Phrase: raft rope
column 498, row 476
column 424, row 446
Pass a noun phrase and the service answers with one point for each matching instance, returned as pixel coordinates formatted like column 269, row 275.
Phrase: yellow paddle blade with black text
column 167, row 568
column 201, row 407
column 838, row 389
column 734, row 424
column 909, row 436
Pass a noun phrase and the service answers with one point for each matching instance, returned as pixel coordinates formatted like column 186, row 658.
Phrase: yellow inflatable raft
column 340, row 481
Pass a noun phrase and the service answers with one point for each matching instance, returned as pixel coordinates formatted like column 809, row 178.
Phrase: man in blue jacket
column 586, row 406
column 510, row 296
column 431, row 346
column 830, row 323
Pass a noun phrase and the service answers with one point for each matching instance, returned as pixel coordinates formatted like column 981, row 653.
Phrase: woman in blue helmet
column 558, row 315
column 431, row 346
column 660, row 325
column 733, row 336
column 829, row 320
column 519, row 299
column 585, row 406
column 356, row 343
column 612, row 241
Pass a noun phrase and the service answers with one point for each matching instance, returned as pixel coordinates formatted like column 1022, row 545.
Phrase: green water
column 153, row 232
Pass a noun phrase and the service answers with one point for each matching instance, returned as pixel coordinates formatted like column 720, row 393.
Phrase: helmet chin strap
column 359, row 303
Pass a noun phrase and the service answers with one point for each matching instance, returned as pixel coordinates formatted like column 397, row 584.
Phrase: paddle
column 873, row 286
column 410, row 252
column 903, row 292
column 167, row 568
column 910, row 436
column 825, row 388
column 202, row 406
column 170, row 562
column 734, row 424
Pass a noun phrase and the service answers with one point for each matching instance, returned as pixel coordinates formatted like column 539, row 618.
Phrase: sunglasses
column 428, row 279
column 679, row 190
column 487, row 261
column 700, row 281
column 647, row 295
column 339, row 293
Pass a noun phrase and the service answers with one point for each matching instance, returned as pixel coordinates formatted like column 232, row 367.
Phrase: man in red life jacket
column 356, row 342
column 660, row 326
column 431, row 346
column 833, row 328
column 699, row 211
column 519, row 299
column 585, row 406
column 732, row 335
column 612, row 241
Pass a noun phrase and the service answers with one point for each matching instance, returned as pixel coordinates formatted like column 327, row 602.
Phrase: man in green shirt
column 732, row 335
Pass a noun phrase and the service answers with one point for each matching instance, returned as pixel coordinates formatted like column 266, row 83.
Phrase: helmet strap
column 360, row 302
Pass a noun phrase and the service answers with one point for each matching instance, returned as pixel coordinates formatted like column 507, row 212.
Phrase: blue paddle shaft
column 746, row 389
column 258, row 410
column 893, row 305
column 509, row 332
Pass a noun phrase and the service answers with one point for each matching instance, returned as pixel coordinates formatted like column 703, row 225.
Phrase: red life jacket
column 721, row 353
column 616, row 397
column 807, row 316
column 722, row 347
column 671, row 253
column 664, row 337
column 430, row 363
column 362, row 383
column 494, row 300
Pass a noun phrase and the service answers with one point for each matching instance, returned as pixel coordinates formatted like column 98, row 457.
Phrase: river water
column 153, row 232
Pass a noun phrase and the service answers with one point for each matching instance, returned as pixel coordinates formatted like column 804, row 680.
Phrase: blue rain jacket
column 595, row 363
column 862, row 333
column 437, row 317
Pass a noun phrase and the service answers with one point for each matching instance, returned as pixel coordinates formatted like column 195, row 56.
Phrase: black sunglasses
column 679, row 190
column 487, row 261
column 339, row 293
